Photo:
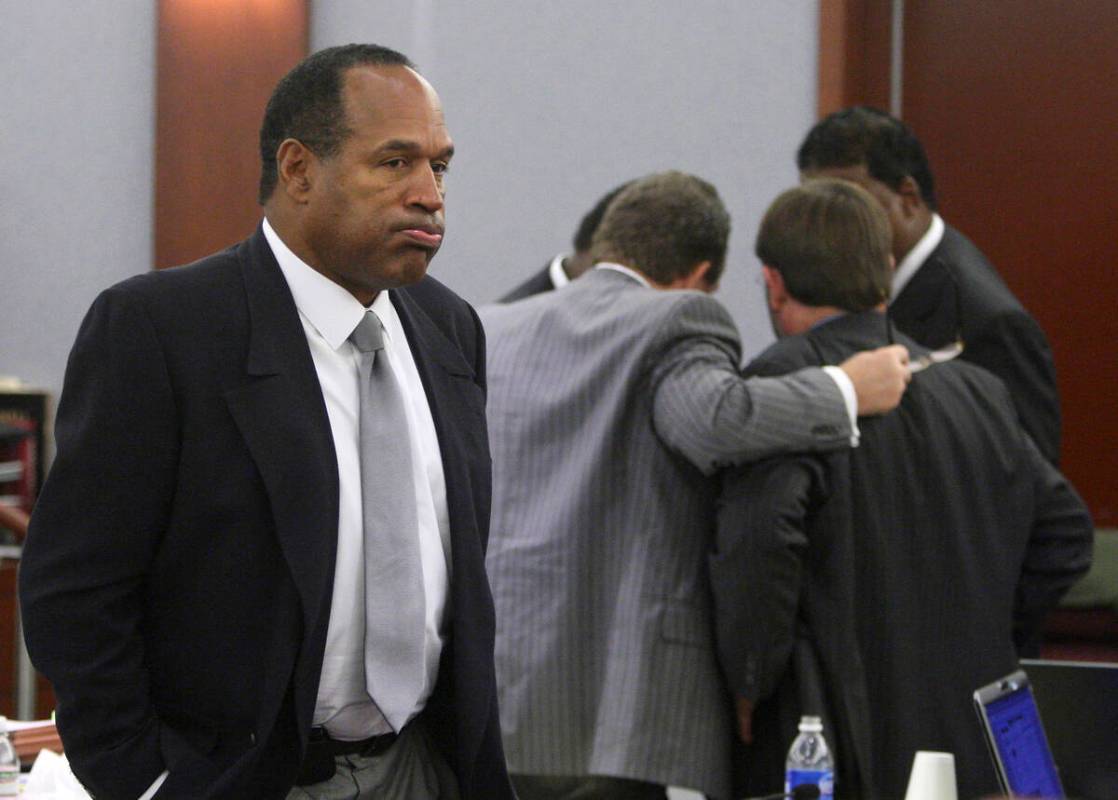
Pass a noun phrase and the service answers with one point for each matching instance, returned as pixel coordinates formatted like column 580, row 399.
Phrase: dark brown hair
column 831, row 242
column 664, row 225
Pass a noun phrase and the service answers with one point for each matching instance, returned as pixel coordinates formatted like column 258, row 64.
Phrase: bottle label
column 9, row 781
column 824, row 779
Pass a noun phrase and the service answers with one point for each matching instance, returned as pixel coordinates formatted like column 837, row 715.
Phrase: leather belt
column 318, row 763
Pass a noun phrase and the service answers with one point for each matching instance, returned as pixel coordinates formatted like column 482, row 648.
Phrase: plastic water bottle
column 9, row 763
column 809, row 760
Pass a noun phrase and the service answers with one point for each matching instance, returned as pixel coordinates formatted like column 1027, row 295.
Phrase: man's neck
column 797, row 318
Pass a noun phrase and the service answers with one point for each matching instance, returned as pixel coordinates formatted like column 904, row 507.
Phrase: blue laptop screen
column 1019, row 738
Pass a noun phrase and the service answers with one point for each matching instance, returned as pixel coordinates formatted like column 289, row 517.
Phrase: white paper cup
column 932, row 777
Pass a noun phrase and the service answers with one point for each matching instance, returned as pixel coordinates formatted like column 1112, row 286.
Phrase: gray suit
column 610, row 407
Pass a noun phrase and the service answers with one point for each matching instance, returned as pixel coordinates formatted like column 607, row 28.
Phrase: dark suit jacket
column 881, row 586
column 177, row 577
column 957, row 290
column 537, row 284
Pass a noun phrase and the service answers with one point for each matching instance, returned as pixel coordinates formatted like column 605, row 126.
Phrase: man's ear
column 697, row 278
column 777, row 292
column 295, row 165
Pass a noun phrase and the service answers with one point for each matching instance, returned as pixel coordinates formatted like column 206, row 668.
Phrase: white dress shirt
column 915, row 258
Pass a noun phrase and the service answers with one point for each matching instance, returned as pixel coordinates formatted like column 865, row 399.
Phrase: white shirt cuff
column 155, row 786
column 846, row 386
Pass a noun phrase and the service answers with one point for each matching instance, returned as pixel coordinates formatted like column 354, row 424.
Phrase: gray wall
column 553, row 103
column 77, row 129
column 550, row 103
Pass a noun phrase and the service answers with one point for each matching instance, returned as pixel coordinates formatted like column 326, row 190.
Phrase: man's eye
column 395, row 163
column 440, row 167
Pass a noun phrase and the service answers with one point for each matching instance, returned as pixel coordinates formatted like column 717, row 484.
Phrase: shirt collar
column 915, row 258
column 632, row 273
column 819, row 323
column 328, row 307
column 556, row 272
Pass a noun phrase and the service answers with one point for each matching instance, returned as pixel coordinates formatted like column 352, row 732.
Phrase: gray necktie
column 394, row 598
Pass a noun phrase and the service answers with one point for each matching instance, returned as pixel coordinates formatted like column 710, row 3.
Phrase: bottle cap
column 811, row 724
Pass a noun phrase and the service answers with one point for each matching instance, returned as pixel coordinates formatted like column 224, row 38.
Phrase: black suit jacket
column 537, row 284
column 177, row 576
column 956, row 291
column 880, row 586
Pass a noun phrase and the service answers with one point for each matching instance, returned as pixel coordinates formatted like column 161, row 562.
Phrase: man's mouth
column 429, row 236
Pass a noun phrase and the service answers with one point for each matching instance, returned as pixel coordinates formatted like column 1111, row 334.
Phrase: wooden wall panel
column 217, row 61
column 1017, row 105
column 854, row 54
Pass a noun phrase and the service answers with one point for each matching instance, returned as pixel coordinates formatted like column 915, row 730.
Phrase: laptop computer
column 1080, row 705
column 1015, row 735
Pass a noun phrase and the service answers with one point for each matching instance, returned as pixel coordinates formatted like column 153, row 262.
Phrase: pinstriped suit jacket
column 610, row 407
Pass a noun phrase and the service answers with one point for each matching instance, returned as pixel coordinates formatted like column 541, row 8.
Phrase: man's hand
column 745, row 718
column 879, row 377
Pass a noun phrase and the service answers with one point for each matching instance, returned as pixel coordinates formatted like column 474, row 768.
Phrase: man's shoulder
column 432, row 293
column 680, row 307
column 783, row 356
column 609, row 294
column 206, row 280
column 831, row 341
column 442, row 308
column 964, row 390
column 978, row 280
column 965, row 377
column 537, row 284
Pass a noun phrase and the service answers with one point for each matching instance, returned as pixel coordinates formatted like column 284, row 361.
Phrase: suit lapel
column 457, row 407
column 927, row 307
column 282, row 416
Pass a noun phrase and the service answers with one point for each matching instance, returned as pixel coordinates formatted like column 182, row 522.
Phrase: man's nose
column 426, row 189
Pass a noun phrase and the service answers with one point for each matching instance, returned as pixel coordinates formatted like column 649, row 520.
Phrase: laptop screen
column 1079, row 705
column 1015, row 729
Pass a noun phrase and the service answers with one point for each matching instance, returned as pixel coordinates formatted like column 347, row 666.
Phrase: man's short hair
column 865, row 135
column 830, row 241
column 308, row 105
column 584, row 236
column 664, row 225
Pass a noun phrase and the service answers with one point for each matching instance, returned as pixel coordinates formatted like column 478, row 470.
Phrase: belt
column 318, row 763
column 374, row 745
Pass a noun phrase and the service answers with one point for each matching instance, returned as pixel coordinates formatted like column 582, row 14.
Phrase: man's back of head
column 665, row 226
column 830, row 242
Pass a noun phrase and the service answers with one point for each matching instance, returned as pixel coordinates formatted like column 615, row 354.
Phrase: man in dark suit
column 879, row 587
column 563, row 269
column 201, row 577
column 944, row 288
